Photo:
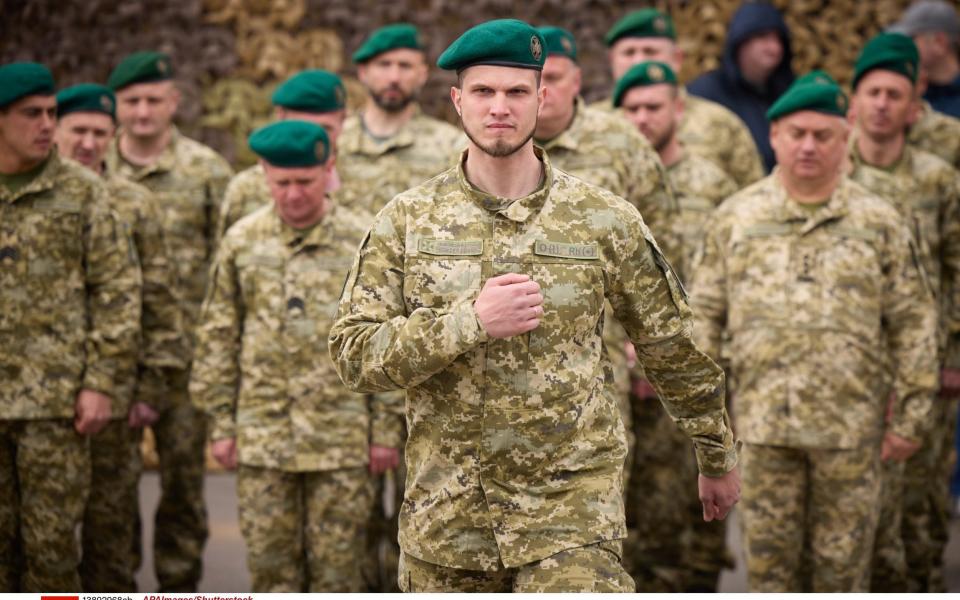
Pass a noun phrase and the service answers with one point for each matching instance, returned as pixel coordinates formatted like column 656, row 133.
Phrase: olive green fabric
column 559, row 41
column 314, row 90
column 291, row 144
column 385, row 39
column 502, row 42
column 21, row 79
column 643, row 74
column 817, row 93
column 87, row 97
column 646, row 22
column 891, row 52
column 140, row 67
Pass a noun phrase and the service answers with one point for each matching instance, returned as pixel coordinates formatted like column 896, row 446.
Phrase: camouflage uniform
column 926, row 191
column 69, row 288
column 263, row 376
column 187, row 182
column 515, row 451
column 938, row 134
column 813, row 298
column 246, row 192
column 110, row 514
column 374, row 171
column 717, row 134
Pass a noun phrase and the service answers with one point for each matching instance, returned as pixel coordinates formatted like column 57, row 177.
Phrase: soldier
column 482, row 293
column 69, row 291
column 390, row 145
column 936, row 133
column 708, row 129
column 85, row 127
column 926, row 191
column 815, row 282
column 187, row 180
column 262, row 375
column 316, row 96
column 680, row 550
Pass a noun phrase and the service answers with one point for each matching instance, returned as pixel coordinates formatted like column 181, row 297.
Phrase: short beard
column 393, row 106
column 500, row 148
column 664, row 140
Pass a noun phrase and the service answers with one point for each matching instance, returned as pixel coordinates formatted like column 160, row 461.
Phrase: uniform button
column 295, row 302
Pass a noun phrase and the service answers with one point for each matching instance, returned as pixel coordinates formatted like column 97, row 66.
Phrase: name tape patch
column 451, row 247
column 562, row 250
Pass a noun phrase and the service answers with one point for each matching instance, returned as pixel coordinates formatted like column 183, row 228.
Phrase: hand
column 141, row 415
column 383, row 459
column 631, row 354
column 225, row 452
column 949, row 383
column 509, row 305
column 897, row 448
column 92, row 412
column 719, row 494
column 642, row 389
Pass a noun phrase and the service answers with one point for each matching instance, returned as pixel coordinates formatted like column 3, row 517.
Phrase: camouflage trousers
column 593, row 568
column 180, row 523
column 44, row 482
column 888, row 567
column 383, row 549
column 820, row 503
column 305, row 532
column 109, row 517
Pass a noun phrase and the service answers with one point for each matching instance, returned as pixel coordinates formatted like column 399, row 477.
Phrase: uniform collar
column 518, row 210
column 788, row 210
column 569, row 138
column 165, row 163
column 902, row 165
column 295, row 240
column 364, row 143
column 44, row 180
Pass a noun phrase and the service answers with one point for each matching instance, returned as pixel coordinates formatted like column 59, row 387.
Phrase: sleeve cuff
column 717, row 461
column 99, row 380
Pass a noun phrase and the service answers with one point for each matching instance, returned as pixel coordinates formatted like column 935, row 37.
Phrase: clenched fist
column 509, row 305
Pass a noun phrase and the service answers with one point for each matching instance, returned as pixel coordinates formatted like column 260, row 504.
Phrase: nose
column 87, row 141
column 48, row 121
column 498, row 107
column 142, row 111
column 807, row 144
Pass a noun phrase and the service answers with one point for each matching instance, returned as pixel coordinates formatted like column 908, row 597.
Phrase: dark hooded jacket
column 727, row 86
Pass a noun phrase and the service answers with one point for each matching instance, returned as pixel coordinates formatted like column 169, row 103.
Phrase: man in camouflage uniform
column 85, row 127
column 186, row 180
column 816, row 282
column 680, row 552
column 936, row 133
column 69, row 288
column 389, row 147
column 926, row 191
column 263, row 375
column 707, row 129
column 482, row 293
column 316, row 96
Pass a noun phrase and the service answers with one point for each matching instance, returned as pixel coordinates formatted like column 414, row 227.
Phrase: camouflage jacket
column 938, row 134
column 381, row 169
column 515, row 452
column 813, row 301
column 246, row 192
column 926, row 191
column 187, row 182
column 69, row 293
column 162, row 343
column 699, row 186
column 717, row 134
column 262, row 372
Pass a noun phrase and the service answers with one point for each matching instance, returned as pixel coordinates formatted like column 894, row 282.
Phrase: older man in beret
column 816, row 286
column 262, row 374
column 708, row 128
column 926, row 191
column 482, row 293
column 70, row 297
column 673, row 549
column 187, row 180
column 85, row 127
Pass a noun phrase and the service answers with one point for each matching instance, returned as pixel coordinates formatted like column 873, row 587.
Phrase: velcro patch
column 451, row 247
column 563, row 250
column 57, row 204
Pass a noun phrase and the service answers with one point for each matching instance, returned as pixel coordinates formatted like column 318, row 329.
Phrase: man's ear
column 455, row 95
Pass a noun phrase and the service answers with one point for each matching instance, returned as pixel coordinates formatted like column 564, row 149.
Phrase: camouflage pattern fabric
column 383, row 168
column 108, row 519
column 717, row 134
column 594, row 568
column 262, row 372
column 937, row 133
column 304, row 531
column 44, row 481
column 70, row 292
column 246, row 192
column 187, row 182
column 823, row 499
column 515, row 451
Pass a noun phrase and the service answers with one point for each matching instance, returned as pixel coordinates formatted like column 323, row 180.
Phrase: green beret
column 390, row 37
column 890, row 52
column 87, row 97
column 643, row 23
column 22, row 79
column 140, row 67
column 291, row 144
column 314, row 91
column 502, row 43
column 643, row 74
column 815, row 91
column 559, row 41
